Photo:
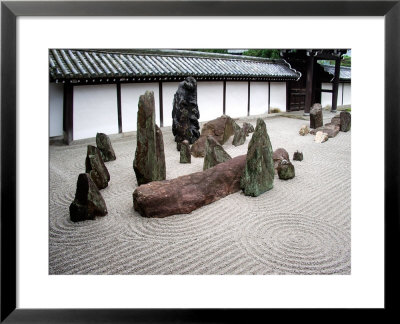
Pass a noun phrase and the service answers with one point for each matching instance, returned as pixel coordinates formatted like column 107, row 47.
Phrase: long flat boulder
column 184, row 194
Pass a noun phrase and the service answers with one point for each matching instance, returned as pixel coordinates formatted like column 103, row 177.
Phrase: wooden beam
column 248, row 98
column 335, row 86
column 160, row 96
column 68, row 112
column 309, row 85
column 224, row 99
column 119, row 108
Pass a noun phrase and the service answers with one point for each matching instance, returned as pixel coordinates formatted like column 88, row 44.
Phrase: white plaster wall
column 258, row 98
column 347, row 94
column 326, row 97
column 130, row 94
column 210, row 97
column 95, row 110
column 169, row 89
column 56, row 94
column 278, row 95
column 236, row 99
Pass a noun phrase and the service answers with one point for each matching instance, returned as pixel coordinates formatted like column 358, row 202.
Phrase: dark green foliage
column 266, row 53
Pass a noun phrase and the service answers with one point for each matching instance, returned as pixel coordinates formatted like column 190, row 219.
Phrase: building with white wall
column 98, row 90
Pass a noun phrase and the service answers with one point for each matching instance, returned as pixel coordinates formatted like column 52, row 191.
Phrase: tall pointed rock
column 149, row 162
column 258, row 175
column 214, row 153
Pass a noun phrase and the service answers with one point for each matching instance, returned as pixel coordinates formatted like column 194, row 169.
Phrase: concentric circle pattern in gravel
column 301, row 226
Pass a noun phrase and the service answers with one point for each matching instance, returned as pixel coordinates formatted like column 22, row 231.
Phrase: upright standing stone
column 316, row 119
column 258, row 175
column 345, row 121
column 185, row 157
column 149, row 162
column 104, row 144
column 240, row 137
column 214, row 153
column 96, row 168
column 88, row 202
column 185, row 112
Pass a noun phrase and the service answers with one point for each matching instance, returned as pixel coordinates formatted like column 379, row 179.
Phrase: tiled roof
column 72, row 64
column 345, row 71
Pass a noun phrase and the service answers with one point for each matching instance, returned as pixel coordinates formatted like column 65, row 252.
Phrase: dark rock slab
column 286, row 170
column 239, row 137
column 103, row 143
column 279, row 155
column 185, row 112
column 332, row 130
column 248, row 128
column 220, row 128
column 345, row 121
column 258, row 175
column 185, row 156
column 316, row 118
column 149, row 162
column 88, row 202
column 336, row 120
column 298, row 156
column 184, row 194
column 214, row 153
column 96, row 168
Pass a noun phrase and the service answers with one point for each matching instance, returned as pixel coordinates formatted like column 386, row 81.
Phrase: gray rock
column 345, row 121
column 149, row 162
column 286, row 170
column 185, row 156
column 88, row 202
column 298, row 156
column 239, row 137
column 96, row 168
column 258, row 175
column 248, row 128
column 103, row 143
column 214, row 153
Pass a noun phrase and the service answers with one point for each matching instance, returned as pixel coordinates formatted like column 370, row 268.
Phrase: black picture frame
column 10, row 10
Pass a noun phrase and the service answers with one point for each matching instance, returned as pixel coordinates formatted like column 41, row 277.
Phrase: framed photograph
column 50, row 270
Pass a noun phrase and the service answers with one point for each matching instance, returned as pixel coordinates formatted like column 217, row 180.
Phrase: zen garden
column 192, row 162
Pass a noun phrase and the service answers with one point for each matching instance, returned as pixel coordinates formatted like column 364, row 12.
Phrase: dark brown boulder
column 316, row 118
column 187, row 193
column 345, row 121
column 149, row 162
column 220, row 128
column 279, row 155
column 239, row 138
column 88, row 202
column 215, row 154
column 185, row 156
column 96, row 168
column 258, row 175
column 103, row 143
column 185, row 112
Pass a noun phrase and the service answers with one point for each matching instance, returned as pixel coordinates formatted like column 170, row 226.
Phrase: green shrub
column 275, row 110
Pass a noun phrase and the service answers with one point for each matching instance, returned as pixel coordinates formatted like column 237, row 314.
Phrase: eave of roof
column 169, row 65
column 345, row 71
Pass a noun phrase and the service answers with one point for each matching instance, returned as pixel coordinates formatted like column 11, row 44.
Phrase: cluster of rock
column 282, row 164
column 149, row 161
column 341, row 122
column 221, row 176
column 185, row 113
column 88, row 202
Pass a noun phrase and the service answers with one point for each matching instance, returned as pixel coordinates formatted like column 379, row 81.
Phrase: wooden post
column 68, row 112
column 160, row 96
column 287, row 96
column 119, row 108
column 224, row 99
column 248, row 98
column 269, row 97
column 335, row 87
column 309, row 85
